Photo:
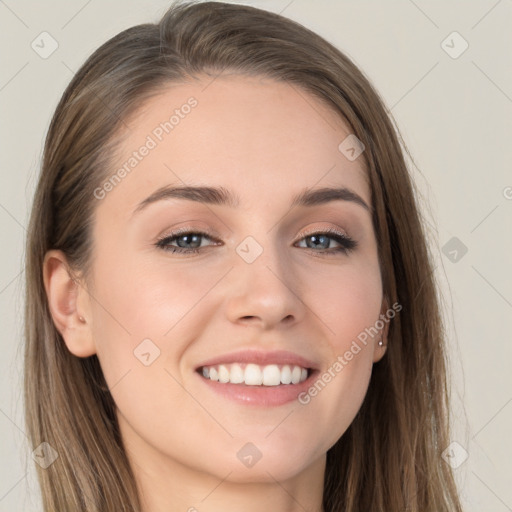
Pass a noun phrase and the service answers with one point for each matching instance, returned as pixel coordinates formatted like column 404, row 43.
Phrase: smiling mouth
column 255, row 375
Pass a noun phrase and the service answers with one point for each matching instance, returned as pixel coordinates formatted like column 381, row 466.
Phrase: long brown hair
column 389, row 459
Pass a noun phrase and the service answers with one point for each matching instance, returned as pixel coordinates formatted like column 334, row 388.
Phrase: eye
column 189, row 242
column 322, row 239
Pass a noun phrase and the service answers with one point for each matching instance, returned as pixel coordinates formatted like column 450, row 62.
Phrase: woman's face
column 260, row 293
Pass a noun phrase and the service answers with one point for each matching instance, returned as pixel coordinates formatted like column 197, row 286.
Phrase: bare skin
column 264, row 141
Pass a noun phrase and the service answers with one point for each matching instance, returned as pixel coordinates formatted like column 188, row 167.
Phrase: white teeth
column 296, row 373
column 271, row 375
column 223, row 374
column 236, row 374
column 286, row 375
column 255, row 375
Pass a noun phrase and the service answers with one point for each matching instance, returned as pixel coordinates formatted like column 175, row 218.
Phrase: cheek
column 149, row 317
column 141, row 301
column 349, row 311
column 145, row 318
column 347, row 301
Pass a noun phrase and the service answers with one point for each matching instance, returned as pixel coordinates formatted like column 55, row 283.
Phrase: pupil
column 186, row 237
column 316, row 240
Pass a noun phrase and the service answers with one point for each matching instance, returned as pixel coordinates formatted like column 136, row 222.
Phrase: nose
column 265, row 292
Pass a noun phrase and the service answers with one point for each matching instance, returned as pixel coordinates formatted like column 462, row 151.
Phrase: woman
column 230, row 301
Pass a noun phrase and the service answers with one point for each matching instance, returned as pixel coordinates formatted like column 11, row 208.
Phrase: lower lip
column 260, row 395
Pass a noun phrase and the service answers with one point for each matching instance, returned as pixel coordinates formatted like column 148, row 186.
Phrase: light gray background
column 455, row 115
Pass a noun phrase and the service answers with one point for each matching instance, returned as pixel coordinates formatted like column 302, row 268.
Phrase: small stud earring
column 381, row 343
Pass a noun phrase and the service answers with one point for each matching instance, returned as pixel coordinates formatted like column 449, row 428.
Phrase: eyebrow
column 224, row 197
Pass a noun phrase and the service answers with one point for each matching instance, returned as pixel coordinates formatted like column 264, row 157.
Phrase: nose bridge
column 264, row 256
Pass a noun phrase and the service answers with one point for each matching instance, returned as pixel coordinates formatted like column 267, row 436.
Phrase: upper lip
column 280, row 357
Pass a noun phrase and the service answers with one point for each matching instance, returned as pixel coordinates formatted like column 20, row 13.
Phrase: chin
column 265, row 461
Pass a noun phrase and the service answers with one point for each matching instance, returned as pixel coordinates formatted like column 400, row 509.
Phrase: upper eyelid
column 331, row 231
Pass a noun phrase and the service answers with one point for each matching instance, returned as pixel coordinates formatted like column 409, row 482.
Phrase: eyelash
column 347, row 244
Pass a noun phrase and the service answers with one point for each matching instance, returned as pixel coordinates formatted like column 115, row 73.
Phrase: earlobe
column 64, row 294
column 381, row 342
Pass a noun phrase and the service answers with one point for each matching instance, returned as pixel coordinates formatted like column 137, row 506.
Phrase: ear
column 380, row 350
column 69, row 304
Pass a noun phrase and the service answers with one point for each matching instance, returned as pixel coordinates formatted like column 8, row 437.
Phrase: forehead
column 267, row 139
